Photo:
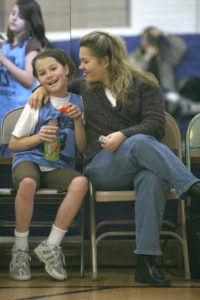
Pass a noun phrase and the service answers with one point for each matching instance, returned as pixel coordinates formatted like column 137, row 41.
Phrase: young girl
column 25, row 37
column 31, row 170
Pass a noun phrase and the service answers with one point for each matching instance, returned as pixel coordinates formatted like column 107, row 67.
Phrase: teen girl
column 25, row 38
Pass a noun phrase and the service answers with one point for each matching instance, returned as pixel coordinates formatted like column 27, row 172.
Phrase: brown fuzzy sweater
column 144, row 114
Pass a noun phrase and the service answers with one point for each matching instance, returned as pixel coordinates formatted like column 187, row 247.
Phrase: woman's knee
column 140, row 140
column 149, row 179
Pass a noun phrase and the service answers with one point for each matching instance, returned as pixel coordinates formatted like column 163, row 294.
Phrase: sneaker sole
column 20, row 278
column 39, row 256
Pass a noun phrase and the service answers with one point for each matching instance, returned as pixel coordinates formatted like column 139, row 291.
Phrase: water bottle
column 52, row 149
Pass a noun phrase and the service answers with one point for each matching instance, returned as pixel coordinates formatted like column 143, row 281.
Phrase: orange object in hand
column 64, row 109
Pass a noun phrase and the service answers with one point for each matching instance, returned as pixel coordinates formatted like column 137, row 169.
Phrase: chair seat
column 109, row 196
column 115, row 196
column 8, row 191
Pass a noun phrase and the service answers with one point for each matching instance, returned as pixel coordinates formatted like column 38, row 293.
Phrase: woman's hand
column 115, row 139
column 39, row 96
column 150, row 52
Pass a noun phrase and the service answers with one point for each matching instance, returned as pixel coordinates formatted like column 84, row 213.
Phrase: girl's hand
column 47, row 133
column 115, row 139
column 73, row 111
column 39, row 96
column 2, row 56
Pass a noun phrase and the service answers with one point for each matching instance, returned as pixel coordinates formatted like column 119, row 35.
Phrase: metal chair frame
column 192, row 140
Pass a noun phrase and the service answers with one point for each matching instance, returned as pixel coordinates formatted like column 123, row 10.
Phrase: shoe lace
column 58, row 256
column 20, row 258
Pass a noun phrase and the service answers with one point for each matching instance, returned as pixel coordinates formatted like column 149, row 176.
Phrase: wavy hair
column 102, row 44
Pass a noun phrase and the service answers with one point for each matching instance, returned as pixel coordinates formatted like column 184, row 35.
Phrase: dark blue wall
column 189, row 66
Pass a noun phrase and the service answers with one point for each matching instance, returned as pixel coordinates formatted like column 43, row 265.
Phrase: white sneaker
column 19, row 265
column 53, row 258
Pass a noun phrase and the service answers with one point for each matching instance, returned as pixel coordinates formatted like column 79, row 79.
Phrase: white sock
column 56, row 235
column 21, row 240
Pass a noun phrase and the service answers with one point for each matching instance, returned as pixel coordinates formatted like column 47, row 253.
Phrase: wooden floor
column 113, row 284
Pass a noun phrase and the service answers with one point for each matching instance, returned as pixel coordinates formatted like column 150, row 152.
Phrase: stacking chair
column 43, row 197
column 192, row 142
column 172, row 139
column 192, row 154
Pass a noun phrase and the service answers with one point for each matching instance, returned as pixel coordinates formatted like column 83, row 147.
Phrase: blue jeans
column 152, row 169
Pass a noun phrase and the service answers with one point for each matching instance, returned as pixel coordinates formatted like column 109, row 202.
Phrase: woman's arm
column 151, row 114
column 176, row 50
column 38, row 97
column 80, row 135
column 141, row 60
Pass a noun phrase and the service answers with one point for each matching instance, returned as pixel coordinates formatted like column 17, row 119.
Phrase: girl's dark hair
column 30, row 11
column 61, row 56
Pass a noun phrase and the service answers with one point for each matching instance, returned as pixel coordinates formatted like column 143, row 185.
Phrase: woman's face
column 52, row 75
column 16, row 23
column 94, row 69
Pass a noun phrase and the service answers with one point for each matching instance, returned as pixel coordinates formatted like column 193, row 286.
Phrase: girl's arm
column 25, row 77
column 46, row 134
column 21, row 144
column 23, row 136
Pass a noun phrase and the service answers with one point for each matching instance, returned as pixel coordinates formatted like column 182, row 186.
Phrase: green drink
column 52, row 149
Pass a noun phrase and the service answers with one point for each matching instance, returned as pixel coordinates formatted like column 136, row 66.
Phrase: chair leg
column 82, row 267
column 93, row 233
column 185, row 246
column 82, row 260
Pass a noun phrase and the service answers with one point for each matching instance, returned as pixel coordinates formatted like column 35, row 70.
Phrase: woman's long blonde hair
column 102, row 44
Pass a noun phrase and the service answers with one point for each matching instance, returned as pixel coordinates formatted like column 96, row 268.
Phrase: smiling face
column 94, row 69
column 52, row 75
column 16, row 23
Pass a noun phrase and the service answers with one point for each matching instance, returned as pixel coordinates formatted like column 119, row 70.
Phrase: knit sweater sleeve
column 77, row 86
column 151, row 117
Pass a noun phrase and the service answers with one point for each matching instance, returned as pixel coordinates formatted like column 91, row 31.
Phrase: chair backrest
column 192, row 141
column 172, row 137
column 7, row 125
